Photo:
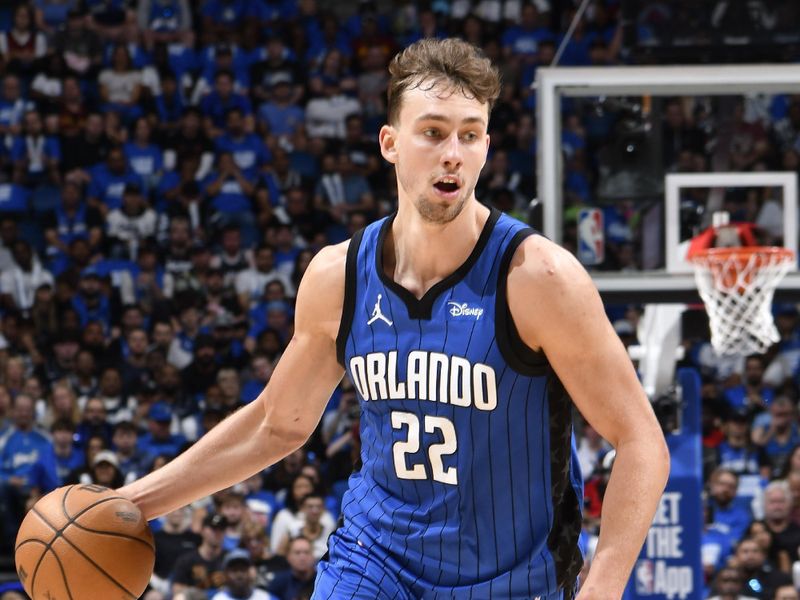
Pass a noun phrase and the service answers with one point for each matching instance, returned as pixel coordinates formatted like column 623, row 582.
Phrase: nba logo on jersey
column 591, row 236
column 644, row 577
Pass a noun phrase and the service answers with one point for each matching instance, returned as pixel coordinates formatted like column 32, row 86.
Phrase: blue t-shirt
column 29, row 455
column 524, row 41
column 249, row 153
column 281, row 120
column 737, row 396
column 108, row 187
column 169, row 447
column 146, row 162
column 22, row 149
column 13, row 198
column 215, row 107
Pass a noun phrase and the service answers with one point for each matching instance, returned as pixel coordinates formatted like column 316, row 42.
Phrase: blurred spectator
column 220, row 100
column 109, row 180
column 250, row 283
column 67, row 457
column 158, row 440
column 752, row 394
column 173, row 540
column 27, row 466
column 312, row 507
column 729, row 585
column 121, row 85
column 13, row 106
column 72, row 220
column 165, row 22
column 727, row 508
column 202, row 568
column 778, row 433
column 292, row 516
column 760, row 576
column 79, row 46
column 341, row 190
column 299, row 579
column 18, row 285
column 129, row 226
column 23, row 44
column 325, row 115
column 133, row 462
column 785, row 534
column 238, row 580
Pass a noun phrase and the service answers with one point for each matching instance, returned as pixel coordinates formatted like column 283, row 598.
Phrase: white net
column 737, row 286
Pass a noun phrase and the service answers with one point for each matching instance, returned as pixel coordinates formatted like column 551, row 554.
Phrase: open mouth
column 445, row 186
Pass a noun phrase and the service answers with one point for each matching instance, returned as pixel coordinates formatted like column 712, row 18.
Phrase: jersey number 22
column 435, row 451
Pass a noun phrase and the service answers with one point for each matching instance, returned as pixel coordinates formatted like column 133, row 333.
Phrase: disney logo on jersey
column 462, row 309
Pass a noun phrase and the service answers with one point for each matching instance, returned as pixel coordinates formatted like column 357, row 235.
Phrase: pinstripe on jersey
column 468, row 478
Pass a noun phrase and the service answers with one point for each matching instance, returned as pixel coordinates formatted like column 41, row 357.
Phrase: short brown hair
column 452, row 61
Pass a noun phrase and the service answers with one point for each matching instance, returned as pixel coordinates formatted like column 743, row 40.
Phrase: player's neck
column 418, row 254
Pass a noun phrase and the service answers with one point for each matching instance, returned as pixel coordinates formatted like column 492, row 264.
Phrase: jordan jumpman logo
column 377, row 314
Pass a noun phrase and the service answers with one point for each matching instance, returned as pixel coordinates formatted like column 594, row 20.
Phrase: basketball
column 84, row 541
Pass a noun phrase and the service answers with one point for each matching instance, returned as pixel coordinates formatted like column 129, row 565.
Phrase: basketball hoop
column 737, row 285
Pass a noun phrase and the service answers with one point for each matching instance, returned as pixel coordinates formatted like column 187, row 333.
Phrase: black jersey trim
column 349, row 303
column 422, row 308
column 519, row 356
column 567, row 518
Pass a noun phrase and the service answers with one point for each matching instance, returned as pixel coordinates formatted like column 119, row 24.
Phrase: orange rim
column 742, row 254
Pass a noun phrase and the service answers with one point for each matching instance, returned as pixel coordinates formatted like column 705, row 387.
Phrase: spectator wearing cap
column 281, row 115
column 133, row 462
column 299, row 579
column 202, row 568
column 736, row 452
column 325, row 115
column 18, row 285
column 158, row 440
column 109, row 181
column 130, row 225
column 239, row 579
column 250, row 283
column 104, row 471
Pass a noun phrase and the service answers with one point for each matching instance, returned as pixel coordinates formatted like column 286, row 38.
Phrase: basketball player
column 465, row 335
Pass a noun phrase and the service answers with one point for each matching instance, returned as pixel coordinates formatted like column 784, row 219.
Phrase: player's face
column 438, row 147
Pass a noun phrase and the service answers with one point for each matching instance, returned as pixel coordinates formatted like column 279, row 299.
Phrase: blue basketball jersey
column 469, row 477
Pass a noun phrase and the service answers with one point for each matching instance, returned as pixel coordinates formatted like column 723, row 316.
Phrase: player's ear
column 387, row 138
column 486, row 152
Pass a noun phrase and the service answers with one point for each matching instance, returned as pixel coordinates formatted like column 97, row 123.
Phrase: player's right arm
column 280, row 420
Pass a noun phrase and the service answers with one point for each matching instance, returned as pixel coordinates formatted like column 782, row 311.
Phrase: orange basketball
column 84, row 542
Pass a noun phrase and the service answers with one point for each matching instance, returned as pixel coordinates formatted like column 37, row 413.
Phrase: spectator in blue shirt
column 727, row 508
column 68, row 458
column 158, row 440
column 223, row 19
column 144, row 157
column 249, row 153
column 281, row 115
column 224, row 57
column 232, row 196
column 216, row 104
column 108, row 181
column 34, row 154
column 27, row 466
column 133, row 461
column 777, row 432
column 753, row 393
column 12, row 106
column 522, row 41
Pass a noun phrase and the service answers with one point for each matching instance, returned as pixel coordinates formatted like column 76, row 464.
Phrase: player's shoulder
column 539, row 262
column 320, row 297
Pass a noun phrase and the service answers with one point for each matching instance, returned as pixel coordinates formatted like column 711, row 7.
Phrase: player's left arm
column 556, row 308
